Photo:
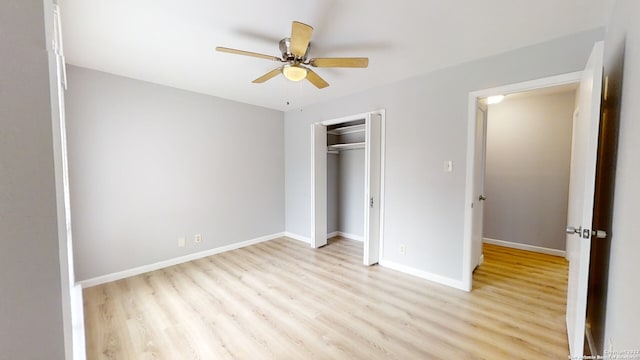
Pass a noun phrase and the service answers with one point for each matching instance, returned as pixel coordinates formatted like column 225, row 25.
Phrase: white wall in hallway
column 527, row 169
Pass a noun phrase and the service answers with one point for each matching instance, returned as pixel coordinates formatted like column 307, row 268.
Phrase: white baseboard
column 175, row 261
column 538, row 249
column 329, row 236
column 77, row 322
column 293, row 236
column 346, row 236
column 351, row 236
column 423, row 274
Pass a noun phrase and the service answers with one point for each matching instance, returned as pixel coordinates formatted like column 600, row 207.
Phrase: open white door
column 478, row 185
column 581, row 192
column 372, row 189
column 319, row 186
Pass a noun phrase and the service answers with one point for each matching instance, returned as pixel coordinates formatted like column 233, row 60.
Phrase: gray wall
column 351, row 192
column 623, row 307
column 333, row 198
column 345, row 192
column 149, row 164
column 426, row 124
column 527, row 169
column 30, row 284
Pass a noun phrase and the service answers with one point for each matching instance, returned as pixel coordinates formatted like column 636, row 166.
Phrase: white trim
column 77, row 311
column 527, row 247
column 551, row 81
column 293, row 236
column 175, row 261
column 383, row 147
column 574, row 77
column 467, row 243
column 344, row 119
column 423, row 274
column 329, row 236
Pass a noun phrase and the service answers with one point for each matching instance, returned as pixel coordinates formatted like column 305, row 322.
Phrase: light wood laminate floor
column 282, row 300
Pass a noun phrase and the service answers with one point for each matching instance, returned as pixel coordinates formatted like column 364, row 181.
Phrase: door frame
column 467, row 261
column 319, row 216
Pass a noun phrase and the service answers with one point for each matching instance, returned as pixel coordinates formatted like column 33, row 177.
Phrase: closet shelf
column 348, row 146
column 347, row 130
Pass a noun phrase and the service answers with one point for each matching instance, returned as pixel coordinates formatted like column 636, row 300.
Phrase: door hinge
column 371, row 202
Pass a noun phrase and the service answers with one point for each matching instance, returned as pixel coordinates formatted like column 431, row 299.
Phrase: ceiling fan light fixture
column 294, row 72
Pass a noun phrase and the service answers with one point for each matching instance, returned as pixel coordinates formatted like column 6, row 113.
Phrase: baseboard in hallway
column 513, row 245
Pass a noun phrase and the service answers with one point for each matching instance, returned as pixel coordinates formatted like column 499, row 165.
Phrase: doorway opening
column 479, row 113
column 347, row 183
column 526, row 169
column 582, row 190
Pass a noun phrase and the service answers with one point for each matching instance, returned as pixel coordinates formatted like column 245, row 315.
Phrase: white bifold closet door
column 373, row 153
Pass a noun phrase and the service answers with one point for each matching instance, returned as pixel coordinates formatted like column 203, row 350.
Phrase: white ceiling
column 172, row 42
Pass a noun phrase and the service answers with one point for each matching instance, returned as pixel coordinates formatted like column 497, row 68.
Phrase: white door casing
column 581, row 195
column 468, row 259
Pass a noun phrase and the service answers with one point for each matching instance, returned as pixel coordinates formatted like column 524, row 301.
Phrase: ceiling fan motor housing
column 285, row 49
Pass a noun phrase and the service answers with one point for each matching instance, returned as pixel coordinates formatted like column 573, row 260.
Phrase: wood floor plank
column 282, row 300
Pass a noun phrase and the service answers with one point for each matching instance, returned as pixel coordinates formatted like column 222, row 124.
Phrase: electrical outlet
column 402, row 249
column 182, row 242
column 198, row 239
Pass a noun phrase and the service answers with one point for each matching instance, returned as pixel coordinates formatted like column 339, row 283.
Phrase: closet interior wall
column 346, row 179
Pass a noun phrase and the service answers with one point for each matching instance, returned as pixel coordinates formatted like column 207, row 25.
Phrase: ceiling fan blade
column 271, row 74
column 316, row 80
column 340, row 62
column 247, row 53
column 300, row 37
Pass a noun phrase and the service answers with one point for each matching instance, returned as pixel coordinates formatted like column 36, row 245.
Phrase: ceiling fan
column 294, row 56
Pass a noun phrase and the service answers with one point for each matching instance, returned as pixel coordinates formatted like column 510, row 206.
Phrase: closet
column 347, row 164
column 346, row 179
